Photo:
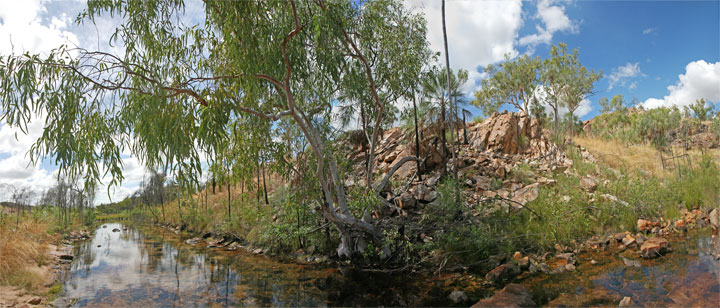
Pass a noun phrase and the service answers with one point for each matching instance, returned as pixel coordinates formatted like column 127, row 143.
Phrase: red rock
column 513, row 295
column 654, row 247
column 502, row 273
column 644, row 225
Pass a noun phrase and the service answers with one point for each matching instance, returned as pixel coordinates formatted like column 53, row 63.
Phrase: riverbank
column 33, row 251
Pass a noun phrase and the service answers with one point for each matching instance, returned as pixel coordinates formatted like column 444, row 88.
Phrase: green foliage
column 700, row 187
column 512, row 81
column 89, row 217
column 656, row 126
column 701, row 110
column 616, row 104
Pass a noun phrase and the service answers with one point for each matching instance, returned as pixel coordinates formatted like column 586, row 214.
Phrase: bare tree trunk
column 228, row 189
column 449, row 92
column 264, row 184
column 417, row 139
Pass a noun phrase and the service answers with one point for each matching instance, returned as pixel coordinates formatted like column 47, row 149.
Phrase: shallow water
column 152, row 267
column 687, row 277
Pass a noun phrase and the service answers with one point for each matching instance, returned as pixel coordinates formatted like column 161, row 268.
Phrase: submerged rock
column 116, row 230
column 457, row 297
column 513, row 295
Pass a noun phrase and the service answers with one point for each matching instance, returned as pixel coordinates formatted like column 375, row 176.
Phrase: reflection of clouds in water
column 131, row 269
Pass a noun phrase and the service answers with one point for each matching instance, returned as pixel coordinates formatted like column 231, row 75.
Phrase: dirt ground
column 20, row 298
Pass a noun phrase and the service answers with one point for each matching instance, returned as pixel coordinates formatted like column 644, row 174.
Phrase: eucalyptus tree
column 170, row 96
column 553, row 75
column 579, row 83
column 617, row 103
column 513, row 81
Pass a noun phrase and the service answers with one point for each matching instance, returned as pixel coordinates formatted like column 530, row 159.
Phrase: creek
column 142, row 266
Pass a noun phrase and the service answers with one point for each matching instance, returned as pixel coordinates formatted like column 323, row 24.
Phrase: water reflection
column 130, row 268
column 687, row 277
column 151, row 267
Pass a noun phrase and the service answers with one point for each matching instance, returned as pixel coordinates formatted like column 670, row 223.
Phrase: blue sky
column 661, row 52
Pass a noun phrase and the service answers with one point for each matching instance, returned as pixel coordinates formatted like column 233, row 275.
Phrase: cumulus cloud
column 554, row 19
column 700, row 80
column 621, row 74
column 649, row 31
column 22, row 28
column 479, row 32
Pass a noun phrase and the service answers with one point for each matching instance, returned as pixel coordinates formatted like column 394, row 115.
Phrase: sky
column 661, row 53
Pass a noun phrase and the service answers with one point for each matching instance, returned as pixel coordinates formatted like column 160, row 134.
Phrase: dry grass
column 633, row 158
column 23, row 249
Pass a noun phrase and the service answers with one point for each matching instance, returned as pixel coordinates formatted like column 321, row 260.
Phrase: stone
column 457, row 297
column 193, row 241
column 680, row 224
column 257, row 251
column 512, row 295
column 66, row 257
column 567, row 256
column 631, row 263
column 654, row 247
column 611, row 198
column 644, row 225
column 104, row 226
column 116, row 230
column 502, row 273
column 482, row 182
column 714, row 217
column 629, row 241
column 526, row 194
column 35, row 300
column 432, row 181
column 517, row 256
column 406, row 201
column 626, row 302
column 593, row 262
column 569, row 267
column 588, row 183
column 619, row 237
column 524, row 262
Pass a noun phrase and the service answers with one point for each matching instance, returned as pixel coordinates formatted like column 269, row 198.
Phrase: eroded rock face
column 513, row 295
column 508, row 132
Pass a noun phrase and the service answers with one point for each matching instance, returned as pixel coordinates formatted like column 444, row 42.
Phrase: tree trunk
column 229, row 213
column 417, row 140
column 449, row 92
column 264, row 185
column 465, row 129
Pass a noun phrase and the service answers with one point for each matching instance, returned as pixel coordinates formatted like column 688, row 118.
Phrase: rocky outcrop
column 513, row 295
column 509, row 133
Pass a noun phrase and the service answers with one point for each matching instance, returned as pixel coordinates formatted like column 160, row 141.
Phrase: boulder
column 116, row 230
column 629, row 241
column 482, row 182
column 502, row 273
column 654, row 247
column 644, row 225
column 508, row 132
column 35, row 300
column 527, row 194
column 588, row 183
column 715, row 218
column 193, row 241
column 406, row 200
column 512, row 295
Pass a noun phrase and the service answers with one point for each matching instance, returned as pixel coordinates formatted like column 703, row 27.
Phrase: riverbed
column 152, row 267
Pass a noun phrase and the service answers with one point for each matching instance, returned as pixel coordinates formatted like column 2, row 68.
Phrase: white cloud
column 621, row 74
column 479, row 32
column 700, row 80
column 554, row 20
column 23, row 30
column 633, row 85
column 649, row 31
